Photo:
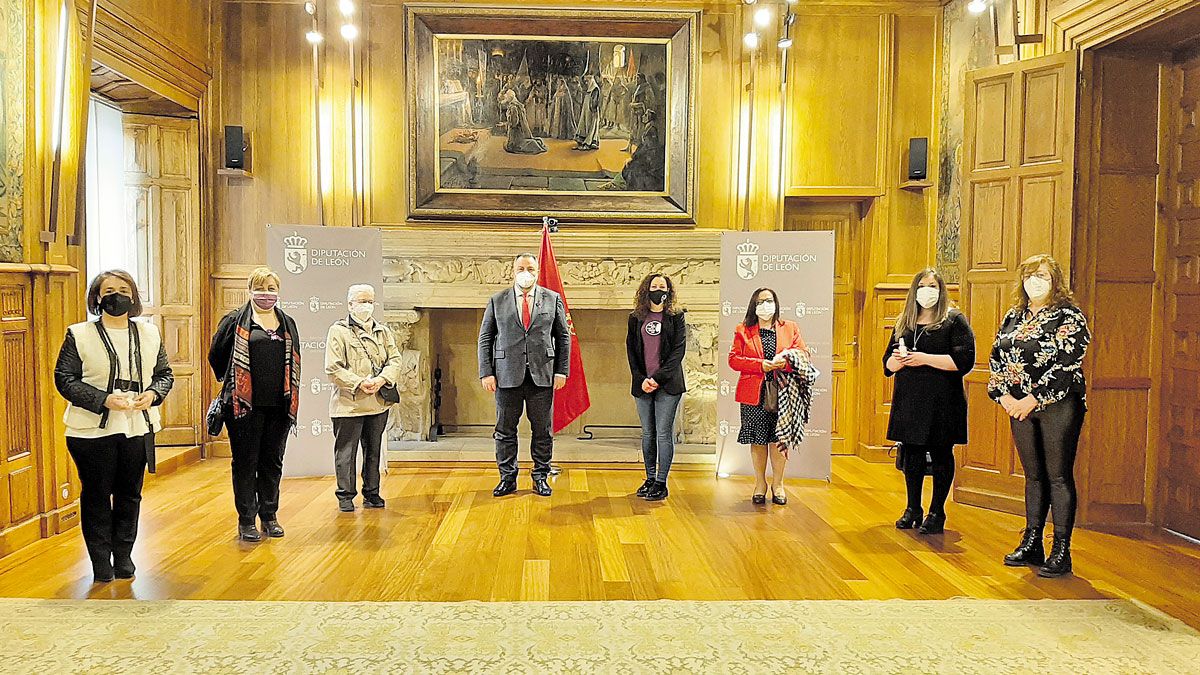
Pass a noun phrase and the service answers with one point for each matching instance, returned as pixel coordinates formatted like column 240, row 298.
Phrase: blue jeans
column 657, row 412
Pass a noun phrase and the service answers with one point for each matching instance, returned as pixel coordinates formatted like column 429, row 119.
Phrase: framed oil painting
column 588, row 116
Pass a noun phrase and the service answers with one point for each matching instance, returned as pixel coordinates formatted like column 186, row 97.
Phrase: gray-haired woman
column 362, row 361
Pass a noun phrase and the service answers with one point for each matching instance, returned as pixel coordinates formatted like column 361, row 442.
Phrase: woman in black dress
column 931, row 350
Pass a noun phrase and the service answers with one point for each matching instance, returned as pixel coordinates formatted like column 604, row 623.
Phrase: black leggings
column 1047, row 442
column 914, row 474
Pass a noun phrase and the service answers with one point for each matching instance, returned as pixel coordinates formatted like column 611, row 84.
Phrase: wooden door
column 1117, row 283
column 1180, row 485
column 843, row 219
column 1018, row 163
column 19, row 486
column 162, row 157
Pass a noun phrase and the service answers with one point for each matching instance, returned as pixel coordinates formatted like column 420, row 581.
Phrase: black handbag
column 770, row 394
column 388, row 392
column 902, row 459
column 215, row 417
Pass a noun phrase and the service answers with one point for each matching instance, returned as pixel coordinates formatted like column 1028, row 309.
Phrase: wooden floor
column 444, row 537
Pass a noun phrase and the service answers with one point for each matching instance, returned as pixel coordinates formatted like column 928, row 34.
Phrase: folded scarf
column 795, row 396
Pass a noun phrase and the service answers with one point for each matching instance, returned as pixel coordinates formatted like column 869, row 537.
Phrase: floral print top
column 1040, row 355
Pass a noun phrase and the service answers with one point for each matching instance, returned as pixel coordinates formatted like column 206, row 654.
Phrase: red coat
column 746, row 356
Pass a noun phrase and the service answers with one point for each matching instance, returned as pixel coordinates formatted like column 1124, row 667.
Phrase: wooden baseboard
column 20, row 536
column 876, row 454
column 173, row 458
column 990, row 500
column 60, row 520
column 218, row 448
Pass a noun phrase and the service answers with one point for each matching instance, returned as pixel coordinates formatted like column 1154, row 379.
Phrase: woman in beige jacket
column 363, row 363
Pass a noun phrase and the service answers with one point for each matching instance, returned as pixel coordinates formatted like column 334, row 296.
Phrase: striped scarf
column 243, row 389
column 795, row 397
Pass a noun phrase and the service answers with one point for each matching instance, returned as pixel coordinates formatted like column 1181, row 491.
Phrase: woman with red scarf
column 255, row 353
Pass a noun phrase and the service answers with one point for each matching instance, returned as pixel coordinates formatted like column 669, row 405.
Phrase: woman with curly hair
column 1037, row 375
column 655, row 344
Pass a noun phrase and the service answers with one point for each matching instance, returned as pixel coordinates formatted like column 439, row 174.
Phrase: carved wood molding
column 1088, row 23
column 161, row 65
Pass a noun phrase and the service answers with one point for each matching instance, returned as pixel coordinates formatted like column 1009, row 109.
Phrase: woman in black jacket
column 114, row 374
column 931, row 351
column 256, row 354
column 655, row 344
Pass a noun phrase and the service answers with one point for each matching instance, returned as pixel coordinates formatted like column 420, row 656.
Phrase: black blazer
column 674, row 344
column 929, row 406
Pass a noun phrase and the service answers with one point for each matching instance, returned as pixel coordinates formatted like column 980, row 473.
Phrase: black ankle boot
column 1031, row 551
column 641, row 492
column 1059, row 562
column 657, row 493
column 910, row 519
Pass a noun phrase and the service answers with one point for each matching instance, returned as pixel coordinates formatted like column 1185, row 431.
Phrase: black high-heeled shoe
column 778, row 498
column 935, row 523
column 910, row 519
column 759, row 499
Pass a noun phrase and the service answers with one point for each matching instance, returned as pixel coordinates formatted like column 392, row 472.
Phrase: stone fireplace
column 438, row 282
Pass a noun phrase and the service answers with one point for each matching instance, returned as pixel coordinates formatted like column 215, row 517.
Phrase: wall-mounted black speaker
column 918, row 158
column 235, row 148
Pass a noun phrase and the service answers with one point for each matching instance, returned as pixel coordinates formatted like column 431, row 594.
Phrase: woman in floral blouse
column 1037, row 375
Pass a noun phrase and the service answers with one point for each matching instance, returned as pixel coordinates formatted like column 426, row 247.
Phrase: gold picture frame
column 475, row 153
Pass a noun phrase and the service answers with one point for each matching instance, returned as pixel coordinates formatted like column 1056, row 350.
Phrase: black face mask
column 657, row 297
column 116, row 304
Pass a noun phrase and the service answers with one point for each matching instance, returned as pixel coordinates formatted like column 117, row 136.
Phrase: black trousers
column 1047, row 442
column 257, row 442
column 111, row 470
column 348, row 434
column 538, row 404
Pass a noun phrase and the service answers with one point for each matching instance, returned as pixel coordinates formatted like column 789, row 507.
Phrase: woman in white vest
column 114, row 374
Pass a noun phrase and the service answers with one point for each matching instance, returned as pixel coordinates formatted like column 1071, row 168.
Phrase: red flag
column 572, row 399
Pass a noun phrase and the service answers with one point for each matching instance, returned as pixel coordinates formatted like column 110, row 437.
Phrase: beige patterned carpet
column 947, row 636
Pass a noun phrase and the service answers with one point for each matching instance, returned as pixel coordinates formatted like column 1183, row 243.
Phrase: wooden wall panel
column 837, row 89
column 912, row 214
column 267, row 89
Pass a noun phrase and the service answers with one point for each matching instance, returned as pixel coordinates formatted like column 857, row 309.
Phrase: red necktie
column 526, row 317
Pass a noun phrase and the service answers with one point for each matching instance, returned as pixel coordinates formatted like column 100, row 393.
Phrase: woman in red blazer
column 757, row 345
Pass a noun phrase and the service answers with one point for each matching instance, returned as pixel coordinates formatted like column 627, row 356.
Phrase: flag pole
column 550, row 226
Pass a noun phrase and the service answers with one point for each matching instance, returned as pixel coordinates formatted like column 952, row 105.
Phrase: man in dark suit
column 524, row 357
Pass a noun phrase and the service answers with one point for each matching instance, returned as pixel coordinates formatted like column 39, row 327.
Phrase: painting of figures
column 521, row 114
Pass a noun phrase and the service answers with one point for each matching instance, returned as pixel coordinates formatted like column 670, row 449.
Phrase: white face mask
column 928, row 296
column 1037, row 288
column 362, row 311
column 525, row 279
column 765, row 310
